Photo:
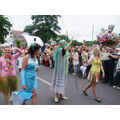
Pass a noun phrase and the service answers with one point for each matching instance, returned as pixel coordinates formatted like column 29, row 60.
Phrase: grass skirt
column 94, row 77
column 8, row 84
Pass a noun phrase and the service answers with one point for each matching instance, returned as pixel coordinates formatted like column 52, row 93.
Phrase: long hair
column 96, row 48
column 33, row 48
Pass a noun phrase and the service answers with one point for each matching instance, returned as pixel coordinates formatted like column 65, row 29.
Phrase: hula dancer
column 94, row 74
column 60, row 70
column 8, row 81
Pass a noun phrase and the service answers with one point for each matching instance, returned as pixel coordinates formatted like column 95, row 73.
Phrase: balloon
column 107, row 38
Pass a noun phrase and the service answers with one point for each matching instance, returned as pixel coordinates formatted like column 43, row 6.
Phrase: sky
column 78, row 26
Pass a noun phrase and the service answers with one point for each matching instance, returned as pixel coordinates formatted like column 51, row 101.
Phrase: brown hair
column 33, row 48
column 76, row 50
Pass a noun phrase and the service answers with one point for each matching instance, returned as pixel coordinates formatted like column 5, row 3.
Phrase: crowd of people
column 78, row 61
column 95, row 63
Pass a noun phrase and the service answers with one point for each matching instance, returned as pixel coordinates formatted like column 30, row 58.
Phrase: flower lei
column 99, row 61
column 9, row 63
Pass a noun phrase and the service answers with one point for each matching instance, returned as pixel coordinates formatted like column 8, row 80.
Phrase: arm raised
column 68, row 44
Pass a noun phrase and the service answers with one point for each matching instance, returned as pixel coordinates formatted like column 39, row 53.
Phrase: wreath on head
column 32, row 46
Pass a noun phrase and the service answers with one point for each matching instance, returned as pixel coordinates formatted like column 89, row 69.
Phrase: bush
column 18, row 43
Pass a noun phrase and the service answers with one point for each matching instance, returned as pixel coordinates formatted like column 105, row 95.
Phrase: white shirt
column 75, row 59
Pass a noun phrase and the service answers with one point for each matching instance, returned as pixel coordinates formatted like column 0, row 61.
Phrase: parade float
column 27, row 40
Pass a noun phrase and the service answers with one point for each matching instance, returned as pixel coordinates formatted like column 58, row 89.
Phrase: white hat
column 6, row 45
column 117, row 48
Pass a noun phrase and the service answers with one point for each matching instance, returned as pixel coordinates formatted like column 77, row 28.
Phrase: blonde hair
column 96, row 48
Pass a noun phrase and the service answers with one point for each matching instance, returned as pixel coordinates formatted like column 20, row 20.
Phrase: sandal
column 56, row 99
column 84, row 93
column 64, row 98
column 98, row 100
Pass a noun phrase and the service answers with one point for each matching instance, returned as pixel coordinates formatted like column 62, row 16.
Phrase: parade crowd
column 95, row 63
column 77, row 62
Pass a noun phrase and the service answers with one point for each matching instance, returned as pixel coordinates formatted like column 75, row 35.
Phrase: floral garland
column 99, row 61
column 9, row 63
column 61, row 43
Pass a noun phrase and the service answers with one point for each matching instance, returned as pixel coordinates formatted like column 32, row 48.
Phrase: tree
column 66, row 38
column 4, row 27
column 90, row 43
column 63, row 37
column 76, row 43
column 18, row 43
column 44, row 26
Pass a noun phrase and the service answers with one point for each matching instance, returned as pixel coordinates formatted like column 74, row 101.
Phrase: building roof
column 16, row 32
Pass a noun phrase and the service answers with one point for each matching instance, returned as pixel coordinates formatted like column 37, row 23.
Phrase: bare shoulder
column 26, row 58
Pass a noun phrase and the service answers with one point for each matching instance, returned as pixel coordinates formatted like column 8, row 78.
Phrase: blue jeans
column 117, row 79
column 75, row 69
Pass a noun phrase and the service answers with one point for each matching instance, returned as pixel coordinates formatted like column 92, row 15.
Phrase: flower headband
column 62, row 43
column 32, row 45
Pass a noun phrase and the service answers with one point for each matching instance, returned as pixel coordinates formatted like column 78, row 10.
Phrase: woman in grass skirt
column 8, row 79
column 94, row 73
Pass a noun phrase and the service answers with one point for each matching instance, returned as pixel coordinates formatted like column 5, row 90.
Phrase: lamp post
column 92, row 32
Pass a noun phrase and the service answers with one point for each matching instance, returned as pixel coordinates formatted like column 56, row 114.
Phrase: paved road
column 108, row 95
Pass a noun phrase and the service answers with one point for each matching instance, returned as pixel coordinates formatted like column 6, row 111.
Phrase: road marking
column 44, row 81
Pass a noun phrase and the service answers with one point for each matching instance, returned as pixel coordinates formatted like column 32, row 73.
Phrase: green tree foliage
column 29, row 29
column 44, row 26
column 76, row 43
column 63, row 37
column 4, row 27
column 66, row 38
column 90, row 43
column 18, row 42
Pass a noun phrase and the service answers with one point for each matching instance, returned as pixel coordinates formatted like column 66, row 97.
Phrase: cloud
column 78, row 26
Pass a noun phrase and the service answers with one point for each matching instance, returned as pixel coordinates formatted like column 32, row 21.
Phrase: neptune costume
column 28, row 77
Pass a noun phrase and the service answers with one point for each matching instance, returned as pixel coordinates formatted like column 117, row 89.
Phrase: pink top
column 3, row 66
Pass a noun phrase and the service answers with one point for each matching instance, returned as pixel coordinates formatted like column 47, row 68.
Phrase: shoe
column 74, row 74
column 98, row 100
column 56, row 99
column 104, row 82
column 84, row 93
column 11, row 101
column 118, row 88
column 114, row 86
column 64, row 98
